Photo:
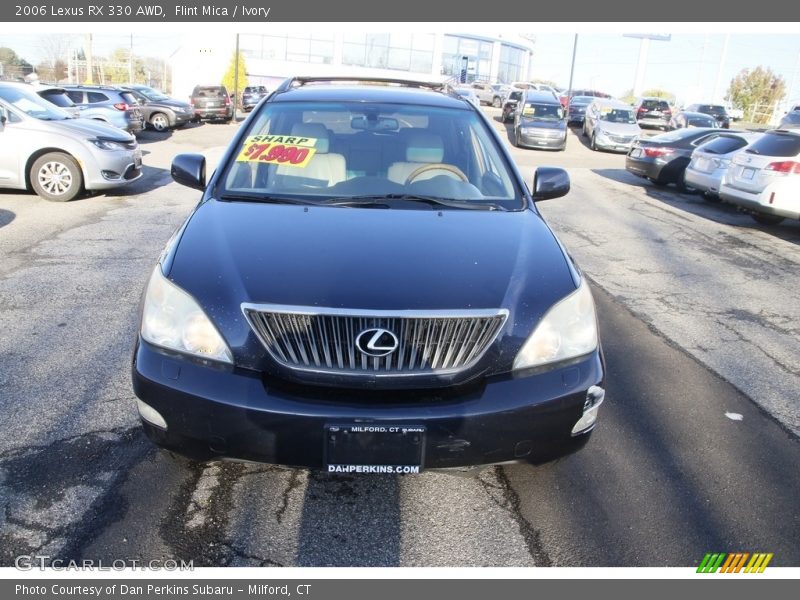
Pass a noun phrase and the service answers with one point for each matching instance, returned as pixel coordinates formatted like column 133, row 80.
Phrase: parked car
column 58, row 97
column 111, row 104
column 577, row 109
column 499, row 93
column 663, row 158
column 461, row 340
column 212, row 103
column 469, row 95
column 483, row 91
column 252, row 95
column 764, row 178
column 539, row 121
column 717, row 111
column 610, row 125
column 159, row 110
column 684, row 118
column 56, row 155
column 710, row 161
column 790, row 120
column 565, row 96
column 653, row 112
column 510, row 105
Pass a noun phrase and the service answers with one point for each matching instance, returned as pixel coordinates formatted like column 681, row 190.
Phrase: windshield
column 152, row 94
column 326, row 151
column 617, row 115
column 545, row 112
column 32, row 105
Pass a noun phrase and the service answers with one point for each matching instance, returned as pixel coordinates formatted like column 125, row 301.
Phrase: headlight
column 569, row 329
column 172, row 319
column 107, row 144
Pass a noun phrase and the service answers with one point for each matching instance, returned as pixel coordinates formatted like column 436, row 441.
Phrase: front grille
column 324, row 340
column 621, row 139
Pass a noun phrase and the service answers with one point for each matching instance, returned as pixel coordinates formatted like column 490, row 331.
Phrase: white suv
column 764, row 178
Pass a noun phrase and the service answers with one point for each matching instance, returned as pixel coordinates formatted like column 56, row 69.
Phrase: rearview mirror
column 189, row 170
column 550, row 182
column 375, row 124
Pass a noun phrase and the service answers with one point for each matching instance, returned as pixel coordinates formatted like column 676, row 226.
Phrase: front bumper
column 533, row 141
column 219, row 411
column 108, row 169
column 605, row 143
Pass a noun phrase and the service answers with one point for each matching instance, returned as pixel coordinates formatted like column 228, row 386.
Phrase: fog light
column 112, row 175
column 594, row 398
column 151, row 415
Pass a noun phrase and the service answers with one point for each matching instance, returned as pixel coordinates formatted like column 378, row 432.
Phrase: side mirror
column 189, row 170
column 3, row 118
column 550, row 182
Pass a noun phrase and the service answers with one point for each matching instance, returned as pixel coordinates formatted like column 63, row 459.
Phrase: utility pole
column 88, row 52
column 236, row 79
column 641, row 63
column 130, row 62
column 571, row 75
column 716, row 97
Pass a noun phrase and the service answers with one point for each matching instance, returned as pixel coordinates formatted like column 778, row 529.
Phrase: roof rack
column 293, row 82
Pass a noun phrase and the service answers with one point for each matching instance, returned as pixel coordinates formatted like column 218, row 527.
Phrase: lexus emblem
column 377, row 342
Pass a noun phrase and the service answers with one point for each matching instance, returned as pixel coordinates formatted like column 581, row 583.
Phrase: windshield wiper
column 384, row 199
column 269, row 199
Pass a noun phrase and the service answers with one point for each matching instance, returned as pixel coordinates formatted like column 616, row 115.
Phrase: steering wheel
column 437, row 167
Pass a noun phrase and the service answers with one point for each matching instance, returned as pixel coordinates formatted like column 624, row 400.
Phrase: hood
column 625, row 129
column 91, row 128
column 361, row 258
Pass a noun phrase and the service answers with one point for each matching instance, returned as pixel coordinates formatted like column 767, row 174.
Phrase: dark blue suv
column 367, row 286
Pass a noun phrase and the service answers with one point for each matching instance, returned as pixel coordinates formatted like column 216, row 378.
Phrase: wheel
column 593, row 143
column 56, row 177
column 583, row 130
column 159, row 122
column 437, row 167
column 766, row 219
column 496, row 102
column 658, row 182
column 516, row 137
column 713, row 198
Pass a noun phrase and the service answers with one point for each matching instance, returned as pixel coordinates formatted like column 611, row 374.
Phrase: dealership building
column 275, row 56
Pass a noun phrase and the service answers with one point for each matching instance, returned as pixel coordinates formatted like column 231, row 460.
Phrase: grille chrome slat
column 324, row 339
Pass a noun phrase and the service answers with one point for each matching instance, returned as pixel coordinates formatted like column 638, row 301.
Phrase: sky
column 690, row 65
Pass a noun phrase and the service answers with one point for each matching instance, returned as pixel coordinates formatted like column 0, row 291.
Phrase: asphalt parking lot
column 696, row 450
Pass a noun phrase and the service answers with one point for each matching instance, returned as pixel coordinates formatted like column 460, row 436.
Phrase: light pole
column 569, row 88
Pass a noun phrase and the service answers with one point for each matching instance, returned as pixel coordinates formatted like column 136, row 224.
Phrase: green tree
column 757, row 92
column 229, row 78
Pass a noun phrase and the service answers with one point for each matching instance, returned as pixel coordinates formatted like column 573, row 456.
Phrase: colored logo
column 735, row 562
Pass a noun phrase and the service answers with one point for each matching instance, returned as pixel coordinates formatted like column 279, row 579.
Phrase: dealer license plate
column 748, row 173
column 374, row 448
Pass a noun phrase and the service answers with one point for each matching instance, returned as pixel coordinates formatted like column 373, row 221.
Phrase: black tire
column 658, row 182
column 516, row 138
column 712, row 198
column 583, row 130
column 593, row 143
column 766, row 219
column 56, row 177
column 497, row 102
column 159, row 121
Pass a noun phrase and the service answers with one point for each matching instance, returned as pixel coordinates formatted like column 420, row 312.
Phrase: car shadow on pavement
column 6, row 216
column 696, row 204
column 152, row 178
